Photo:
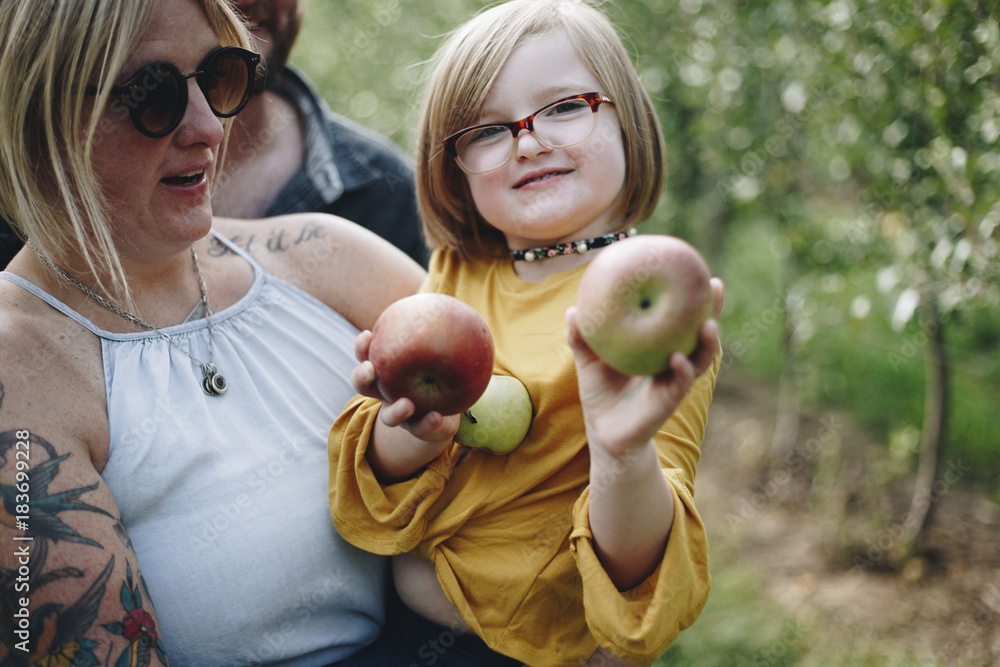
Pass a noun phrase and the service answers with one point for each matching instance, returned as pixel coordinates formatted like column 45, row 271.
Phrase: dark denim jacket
column 352, row 172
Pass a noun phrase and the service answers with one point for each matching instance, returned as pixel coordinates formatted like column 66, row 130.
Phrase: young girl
column 537, row 147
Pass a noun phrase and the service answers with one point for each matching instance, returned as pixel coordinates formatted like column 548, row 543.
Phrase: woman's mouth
column 189, row 178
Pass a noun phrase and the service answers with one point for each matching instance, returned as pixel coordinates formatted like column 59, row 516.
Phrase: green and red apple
column 502, row 417
column 433, row 349
column 642, row 299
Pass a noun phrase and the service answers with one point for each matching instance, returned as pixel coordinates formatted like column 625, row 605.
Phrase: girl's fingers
column 363, row 380
column 397, row 412
column 718, row 291
column 428, row 427
column 361, row 344
column 708, row 346
column 431, row 427
column 576, row 342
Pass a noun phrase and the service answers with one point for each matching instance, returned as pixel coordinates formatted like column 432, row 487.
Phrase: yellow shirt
column 509, row 535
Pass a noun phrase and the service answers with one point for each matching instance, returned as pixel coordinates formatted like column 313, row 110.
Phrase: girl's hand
column 432, row 428
column 622, row 412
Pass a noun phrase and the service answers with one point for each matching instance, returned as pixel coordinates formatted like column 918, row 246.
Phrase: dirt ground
column 793, row 519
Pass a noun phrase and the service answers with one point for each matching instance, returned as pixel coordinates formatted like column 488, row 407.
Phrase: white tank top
column 225, row 497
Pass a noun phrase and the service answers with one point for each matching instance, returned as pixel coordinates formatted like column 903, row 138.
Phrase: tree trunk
column 925, row 496
column 787, row 417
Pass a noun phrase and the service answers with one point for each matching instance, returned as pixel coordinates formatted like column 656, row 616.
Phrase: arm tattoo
column 59, row 634
column 278, row 240
column 138, row 626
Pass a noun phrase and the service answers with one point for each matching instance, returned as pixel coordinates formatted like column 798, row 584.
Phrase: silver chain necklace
column 213, row 383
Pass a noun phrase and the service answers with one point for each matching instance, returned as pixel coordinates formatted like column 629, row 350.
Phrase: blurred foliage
column 836, row 161
column 366, row 57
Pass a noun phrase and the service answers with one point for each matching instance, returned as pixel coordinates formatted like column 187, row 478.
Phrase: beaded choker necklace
column 572, row 248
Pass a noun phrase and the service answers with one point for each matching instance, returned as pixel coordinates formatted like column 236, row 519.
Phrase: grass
column 738, row 626
column 744, row 624
column 741, row 626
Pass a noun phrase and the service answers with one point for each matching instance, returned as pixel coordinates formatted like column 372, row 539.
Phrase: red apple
column 642, row 299
column 433, row 349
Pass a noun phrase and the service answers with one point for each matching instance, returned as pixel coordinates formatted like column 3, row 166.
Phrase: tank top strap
column 31, row 287
column 52, row 301
column 238, row 250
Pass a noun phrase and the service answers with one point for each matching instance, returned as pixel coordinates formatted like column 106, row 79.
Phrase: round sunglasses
column 156, row 98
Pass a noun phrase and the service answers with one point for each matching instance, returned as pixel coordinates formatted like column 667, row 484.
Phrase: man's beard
column 275, row 62
column 274, row 55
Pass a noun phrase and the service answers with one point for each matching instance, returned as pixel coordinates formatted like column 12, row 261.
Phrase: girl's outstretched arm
column 631, row 507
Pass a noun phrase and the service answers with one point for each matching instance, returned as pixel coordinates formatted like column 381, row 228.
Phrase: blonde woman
column 164, row 391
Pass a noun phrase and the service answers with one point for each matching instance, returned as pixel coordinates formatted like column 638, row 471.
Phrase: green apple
column 642, row 299
column 502, row 417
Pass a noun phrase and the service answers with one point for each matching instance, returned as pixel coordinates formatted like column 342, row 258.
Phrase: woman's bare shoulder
column 51, row 375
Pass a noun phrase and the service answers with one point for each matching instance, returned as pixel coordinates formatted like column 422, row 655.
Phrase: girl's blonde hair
column 463, row 71
column 50, row 50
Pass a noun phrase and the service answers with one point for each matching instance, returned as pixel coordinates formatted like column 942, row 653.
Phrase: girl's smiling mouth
column 538, row 176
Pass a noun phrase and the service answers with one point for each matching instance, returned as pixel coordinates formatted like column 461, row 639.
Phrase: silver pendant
column 213, row 383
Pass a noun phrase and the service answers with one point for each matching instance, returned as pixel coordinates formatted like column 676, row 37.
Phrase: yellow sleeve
column 639, row 624
column 387, row 519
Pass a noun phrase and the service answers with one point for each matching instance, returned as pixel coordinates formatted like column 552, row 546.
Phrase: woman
column 165, row 393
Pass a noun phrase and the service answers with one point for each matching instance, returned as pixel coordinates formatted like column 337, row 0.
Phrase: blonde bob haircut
column 462, row 73
column 49, row 51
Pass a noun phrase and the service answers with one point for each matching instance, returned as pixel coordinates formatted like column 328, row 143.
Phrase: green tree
column 886, row 112
column 916, row 130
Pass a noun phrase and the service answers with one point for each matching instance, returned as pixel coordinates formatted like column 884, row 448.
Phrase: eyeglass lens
column 559, row 125
column 157, row 98
column 155, row 107
column 225, row 83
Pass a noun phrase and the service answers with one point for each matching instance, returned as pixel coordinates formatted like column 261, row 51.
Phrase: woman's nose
column 200, row 124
